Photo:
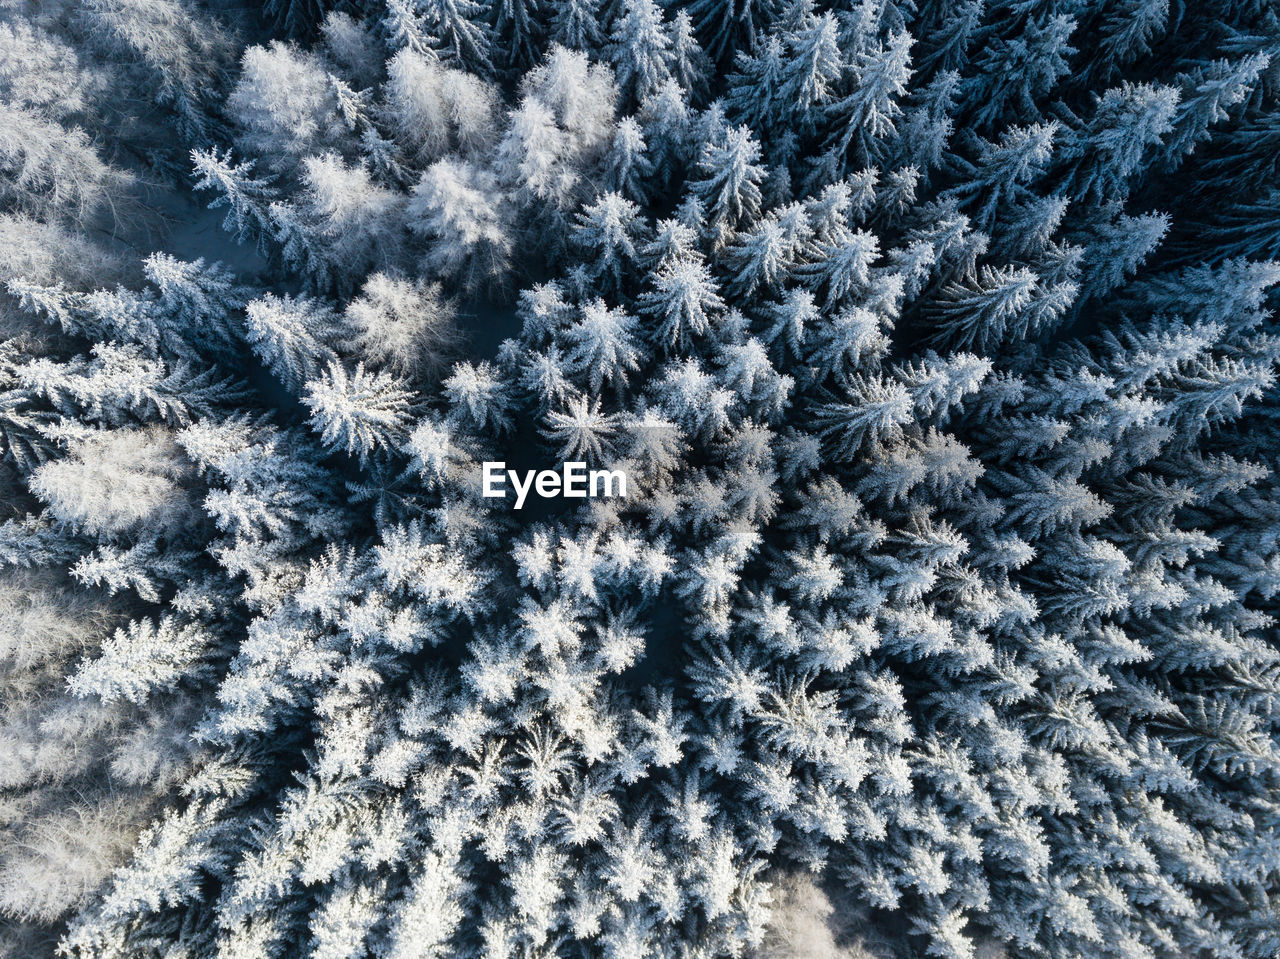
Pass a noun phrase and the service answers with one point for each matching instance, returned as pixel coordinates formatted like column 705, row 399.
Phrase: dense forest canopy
column 935, row 338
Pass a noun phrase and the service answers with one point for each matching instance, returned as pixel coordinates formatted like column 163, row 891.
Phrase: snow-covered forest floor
column 936, row 342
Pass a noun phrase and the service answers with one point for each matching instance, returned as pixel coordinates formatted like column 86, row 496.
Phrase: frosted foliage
column 117, row 481
column 139, row 659
column 581, row 95
column 439, row 109
column 54, row 855
column 358, row 218
column 284, row 104
column 358, row 411
column 933, row 342
column 458, row 205
column 43, row 252
column 353, row 47
column 52, row 171
column 405, row 326
column 41, row 71
column 67, row 858
column 804, row 924
column 41, row 627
